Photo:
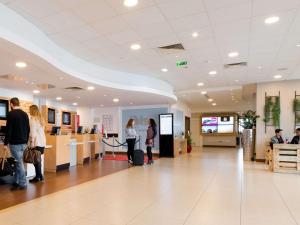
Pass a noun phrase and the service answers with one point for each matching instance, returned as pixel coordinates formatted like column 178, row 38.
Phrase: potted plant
column 296, row 105
column 249, row 123
column 189, row 144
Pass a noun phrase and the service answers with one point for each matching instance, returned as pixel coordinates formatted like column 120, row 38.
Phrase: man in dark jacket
column 296, row 139
column 16, row 138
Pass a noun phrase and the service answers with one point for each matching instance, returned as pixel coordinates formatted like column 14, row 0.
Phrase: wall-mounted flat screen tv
column 51, row 116
column 66, row 118
column 3, row 109
column 220, row 124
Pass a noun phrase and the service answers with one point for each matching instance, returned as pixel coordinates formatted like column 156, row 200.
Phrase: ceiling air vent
column 12, row 77
column 235, row 65
column 74, row 88
column 170, row 49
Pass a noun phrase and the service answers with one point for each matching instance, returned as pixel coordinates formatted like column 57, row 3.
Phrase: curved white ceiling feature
column 19, row 31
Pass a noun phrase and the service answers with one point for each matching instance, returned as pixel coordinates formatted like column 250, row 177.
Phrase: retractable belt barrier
column 119, row 144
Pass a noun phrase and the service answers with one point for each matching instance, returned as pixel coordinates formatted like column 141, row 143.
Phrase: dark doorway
column 187, row 125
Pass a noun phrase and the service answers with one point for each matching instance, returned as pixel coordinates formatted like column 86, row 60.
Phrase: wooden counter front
column 83, row 147
column 58, row 156
column 180, row 145
column 95, row 141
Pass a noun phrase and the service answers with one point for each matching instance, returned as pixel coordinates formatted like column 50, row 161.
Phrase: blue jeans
column 17, row 152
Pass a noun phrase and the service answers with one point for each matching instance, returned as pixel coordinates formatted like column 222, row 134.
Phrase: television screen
column 66, row 118
column 166, row 124
column 51, row 116
column 3, row 109
column 221, row 124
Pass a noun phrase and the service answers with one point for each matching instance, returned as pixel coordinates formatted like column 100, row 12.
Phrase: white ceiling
column 39, row 72
column 101, row 31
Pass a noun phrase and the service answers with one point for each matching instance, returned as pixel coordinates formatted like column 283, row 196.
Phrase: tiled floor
column 210, row 188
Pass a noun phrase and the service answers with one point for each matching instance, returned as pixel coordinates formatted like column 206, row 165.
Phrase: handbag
column 7, row 164
column 31, row 155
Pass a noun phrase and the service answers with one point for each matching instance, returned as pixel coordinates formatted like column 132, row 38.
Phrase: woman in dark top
column 296, row 138
column 151, row 134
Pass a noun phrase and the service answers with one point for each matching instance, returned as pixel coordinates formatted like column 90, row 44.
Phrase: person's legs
column 149, row 154
column 132, row 145
column 17, row 152
column 38, row 166
column 128, row 150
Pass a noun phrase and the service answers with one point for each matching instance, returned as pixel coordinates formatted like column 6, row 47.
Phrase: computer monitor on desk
column 55, row 130
column 79, row 130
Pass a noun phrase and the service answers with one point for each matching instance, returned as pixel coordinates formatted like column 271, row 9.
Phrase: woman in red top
column 151, row 134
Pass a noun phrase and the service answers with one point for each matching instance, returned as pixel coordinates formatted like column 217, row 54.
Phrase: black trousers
column 130, row 150
column 38, row 166
column 149, row 153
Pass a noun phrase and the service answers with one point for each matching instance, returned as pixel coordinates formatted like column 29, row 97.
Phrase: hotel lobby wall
column 287, row 94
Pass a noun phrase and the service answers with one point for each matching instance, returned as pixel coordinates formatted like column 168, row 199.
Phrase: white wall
column 287, row 94
column 86, row 116
column 9, row 93
column 98, row 114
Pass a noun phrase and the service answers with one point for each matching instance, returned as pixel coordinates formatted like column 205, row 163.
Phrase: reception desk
column 95, row 142
column 58, row 156
column 83, row 148
column 180, row 146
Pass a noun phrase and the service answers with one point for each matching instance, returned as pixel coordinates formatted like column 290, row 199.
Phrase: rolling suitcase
column 138, row 156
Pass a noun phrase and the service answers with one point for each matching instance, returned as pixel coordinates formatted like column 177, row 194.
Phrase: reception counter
column 180, row 146
column 57, row 157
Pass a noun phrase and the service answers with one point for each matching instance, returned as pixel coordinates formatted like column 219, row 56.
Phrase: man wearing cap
column 277, row 139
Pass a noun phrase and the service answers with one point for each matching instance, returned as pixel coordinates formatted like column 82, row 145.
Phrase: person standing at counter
column 296, row 139
column 37, row 139
column 130, row 139
column 151, row 134
column 16, row 138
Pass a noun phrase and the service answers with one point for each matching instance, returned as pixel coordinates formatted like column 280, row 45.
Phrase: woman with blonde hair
column 130, row 139
column 37, row 139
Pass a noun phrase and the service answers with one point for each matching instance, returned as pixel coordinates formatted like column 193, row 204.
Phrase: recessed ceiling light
column 58, row 98
column 130, row 3
column 21, row 64
column 164, row 70
column 105, row 95
column 116, row 100
column 75, row 103
column 271, row 20
column 35, row 91
column 78, row 97
column 135, row 46
column 90, row 88
column 101, row 105
column 298, row 45
column 233, row 54
column 278, row 76
column 210, row 100
column 204, row 92
column 131, row 103
column 214, row 104
column 195, row 34
column 236, row 80
column 200, row 84
column 213, row 72
column 259, row 67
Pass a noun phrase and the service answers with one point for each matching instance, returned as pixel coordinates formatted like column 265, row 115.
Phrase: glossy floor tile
column 210, row 187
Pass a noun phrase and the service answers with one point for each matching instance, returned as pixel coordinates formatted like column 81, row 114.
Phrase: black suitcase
column 138, row 157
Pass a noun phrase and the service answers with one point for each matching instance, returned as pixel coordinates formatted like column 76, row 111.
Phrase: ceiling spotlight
column 135, row 46
column 204, row 92
column 58, row 98
column 236, row 81
column 278, row 76
column 90, row 88
column 200, row 84
column 116, row 100
column 78, row 97
column 101, row 105
column 298, row 45
column 271, row 20
column 213, row 72
column 233, row 54
column 35, row 91
column 164, row 70
column 259, row 67
column 210, row 100
column 131, row 103
column 105, row 95
column 75, row 103
column 21, row 64
column 214, row 104
column 130, row 3
column 195, row 34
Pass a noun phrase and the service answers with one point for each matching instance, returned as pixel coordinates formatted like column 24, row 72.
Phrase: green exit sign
column 181, row 63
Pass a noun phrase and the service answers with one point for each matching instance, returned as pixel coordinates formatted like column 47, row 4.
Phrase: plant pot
column 189, row 149
column 248, row 144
